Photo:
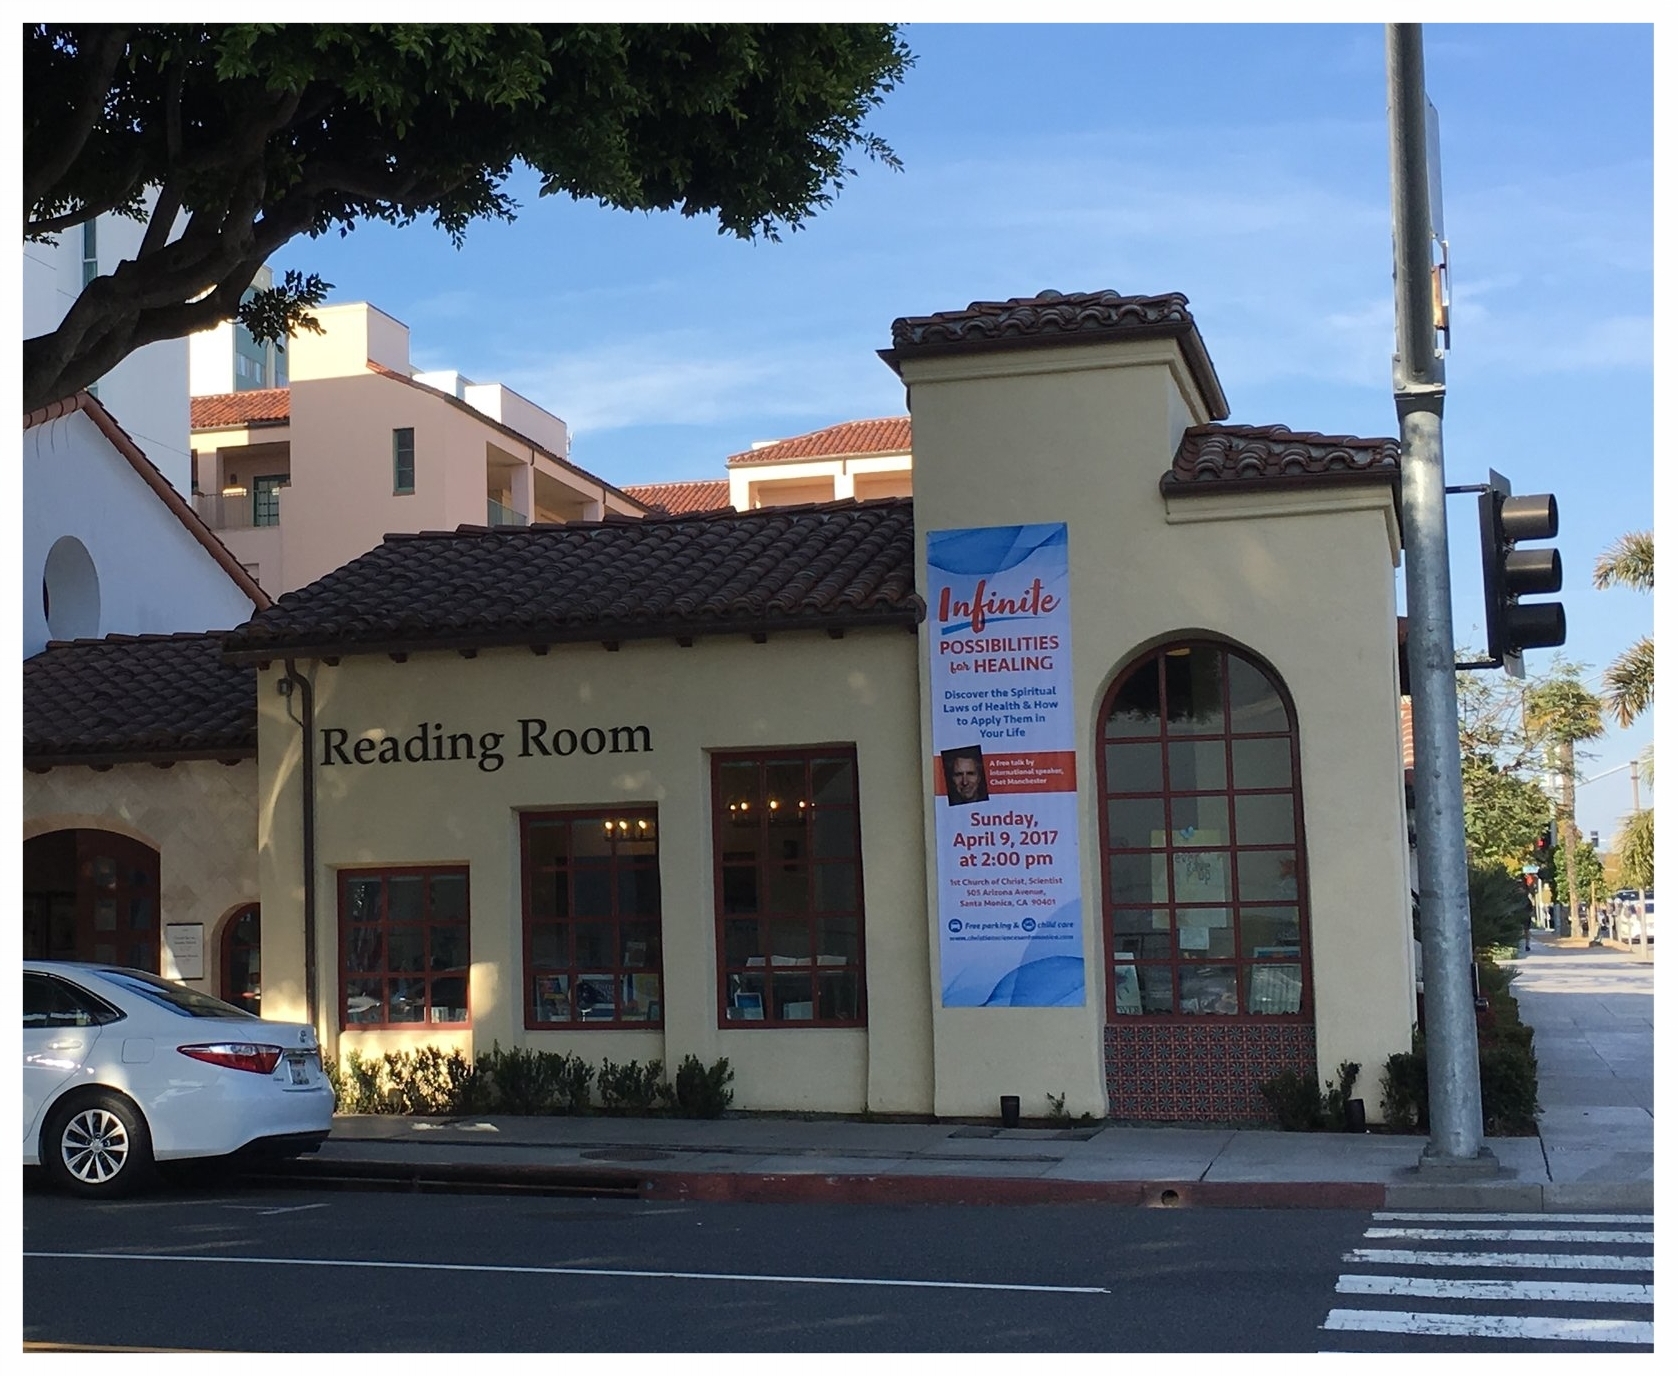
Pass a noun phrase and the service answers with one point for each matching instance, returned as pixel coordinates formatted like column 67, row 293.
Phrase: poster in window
column 1127, row 992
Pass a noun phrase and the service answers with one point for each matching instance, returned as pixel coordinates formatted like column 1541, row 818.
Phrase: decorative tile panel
column 1200, row 1072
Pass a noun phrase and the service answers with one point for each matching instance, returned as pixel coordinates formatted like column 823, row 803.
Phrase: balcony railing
column 220, row 512
column 500, row 515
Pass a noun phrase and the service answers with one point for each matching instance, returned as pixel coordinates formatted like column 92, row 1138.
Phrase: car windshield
column 177, row 998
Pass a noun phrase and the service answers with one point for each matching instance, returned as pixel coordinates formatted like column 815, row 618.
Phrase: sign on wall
column 183, row 950
column 1005, row 768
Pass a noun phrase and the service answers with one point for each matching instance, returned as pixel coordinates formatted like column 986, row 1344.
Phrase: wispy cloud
column 683, row 378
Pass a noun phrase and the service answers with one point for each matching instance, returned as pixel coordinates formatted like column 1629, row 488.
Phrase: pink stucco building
column 299, row 480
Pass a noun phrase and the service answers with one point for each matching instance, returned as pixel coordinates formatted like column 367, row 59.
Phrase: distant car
column 122, row 1069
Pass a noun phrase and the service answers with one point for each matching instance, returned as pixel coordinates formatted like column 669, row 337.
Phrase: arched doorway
column 1203, row 849
column 90, row 895
column 241, row 959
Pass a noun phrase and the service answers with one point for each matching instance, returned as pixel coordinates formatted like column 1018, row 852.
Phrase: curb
column 743, row 1187
column 746, row 1187
column 1555, row 1197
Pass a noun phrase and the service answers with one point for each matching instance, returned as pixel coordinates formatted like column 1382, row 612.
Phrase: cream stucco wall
column 722, row 693
column 199, row 815
column 1082, row 435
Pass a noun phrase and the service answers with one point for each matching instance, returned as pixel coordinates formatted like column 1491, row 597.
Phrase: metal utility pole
column 1456, row 1146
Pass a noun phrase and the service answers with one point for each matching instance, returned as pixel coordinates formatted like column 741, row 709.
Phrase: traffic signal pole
column 1456, row 1145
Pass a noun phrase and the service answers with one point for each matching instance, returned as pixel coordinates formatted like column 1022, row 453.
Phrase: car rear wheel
column 97, row 1145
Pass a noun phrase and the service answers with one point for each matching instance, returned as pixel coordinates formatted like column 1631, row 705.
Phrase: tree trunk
column 1569, row 833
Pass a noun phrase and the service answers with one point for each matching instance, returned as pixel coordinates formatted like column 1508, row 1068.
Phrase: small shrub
column 429, row 1081
column 1404, row 1088
column 701, row 1091
column 572, row 1078
column 1300, row 1106
column 525, row 1081
column 1508, row 1086
column 1508, row 1091
column 1057, row 1109
column 355, row 1081
column 1295, row 1100
column 631, row 1088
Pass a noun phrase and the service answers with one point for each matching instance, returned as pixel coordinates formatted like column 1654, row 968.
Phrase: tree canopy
column 1629, row 683
column 1514, row 735
column 228, row 140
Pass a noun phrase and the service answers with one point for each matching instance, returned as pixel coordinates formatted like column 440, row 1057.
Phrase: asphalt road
column 223, row 1267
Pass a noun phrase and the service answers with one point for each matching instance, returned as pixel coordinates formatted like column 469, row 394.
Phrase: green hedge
column 1508, row 1068
column 435, row 1083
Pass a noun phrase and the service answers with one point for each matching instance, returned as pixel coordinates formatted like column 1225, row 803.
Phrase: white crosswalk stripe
column 1624, row 1220
column 1510, row 1235
column 1417, row 1297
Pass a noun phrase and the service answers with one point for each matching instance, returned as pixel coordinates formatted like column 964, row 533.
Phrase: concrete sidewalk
column 1591, row 1009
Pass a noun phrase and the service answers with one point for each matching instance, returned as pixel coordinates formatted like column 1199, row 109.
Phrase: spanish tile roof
column 1052, row 318
column 888, row 435
column 224, row 410
column 828, row 566
column 124, row 444
column 681, row 499
column 135, row 698
column 1225, row 458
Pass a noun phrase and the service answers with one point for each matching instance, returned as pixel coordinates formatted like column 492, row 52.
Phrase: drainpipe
column 311, row 973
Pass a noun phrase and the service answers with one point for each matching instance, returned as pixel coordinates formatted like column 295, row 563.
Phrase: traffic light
column 1511, row 574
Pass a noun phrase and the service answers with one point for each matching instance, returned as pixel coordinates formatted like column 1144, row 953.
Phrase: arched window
column 241, row 959
column 1203, row 841
column 90, row 895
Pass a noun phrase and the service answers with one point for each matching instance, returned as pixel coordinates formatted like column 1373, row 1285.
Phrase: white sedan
column 121, row 1069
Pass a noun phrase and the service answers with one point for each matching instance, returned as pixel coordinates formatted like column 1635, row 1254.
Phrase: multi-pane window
column 402, row 459
column 1202, row 840
column 592, row 945
column 403, row 936
column 90, row 250
column 265, row 499
column 789, row 888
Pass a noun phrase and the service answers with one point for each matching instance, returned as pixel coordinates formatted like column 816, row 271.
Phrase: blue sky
column 1245, row 166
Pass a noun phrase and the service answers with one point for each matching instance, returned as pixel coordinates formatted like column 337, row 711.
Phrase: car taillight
column 260, row 1060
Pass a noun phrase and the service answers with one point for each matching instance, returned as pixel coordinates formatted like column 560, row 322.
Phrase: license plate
column 299, row 1067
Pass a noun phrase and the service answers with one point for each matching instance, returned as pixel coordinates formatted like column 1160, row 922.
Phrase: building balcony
column 226, row 511
column 500, row 515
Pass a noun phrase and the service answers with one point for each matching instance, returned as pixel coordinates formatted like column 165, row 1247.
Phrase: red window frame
column 636, row 977
column 779, row 884
column 1242, row 907
column 375, row 966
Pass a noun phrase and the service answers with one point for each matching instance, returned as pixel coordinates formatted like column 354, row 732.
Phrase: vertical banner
column 1004, row 768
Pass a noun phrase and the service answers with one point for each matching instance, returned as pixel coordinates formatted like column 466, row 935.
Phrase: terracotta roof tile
column 826, row 566
column 680, row 499
column 1053, row 318
column 888, row 435
column 1223, row 458
column 156, row 697
column 266, row 406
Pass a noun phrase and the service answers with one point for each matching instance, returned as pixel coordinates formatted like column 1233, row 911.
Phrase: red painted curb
column 746, row 1188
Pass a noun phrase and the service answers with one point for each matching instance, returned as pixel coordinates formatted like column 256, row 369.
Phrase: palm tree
column 1629, row 684
column 1561, row 712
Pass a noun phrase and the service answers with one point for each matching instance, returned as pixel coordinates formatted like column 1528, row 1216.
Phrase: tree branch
column 50, row 151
